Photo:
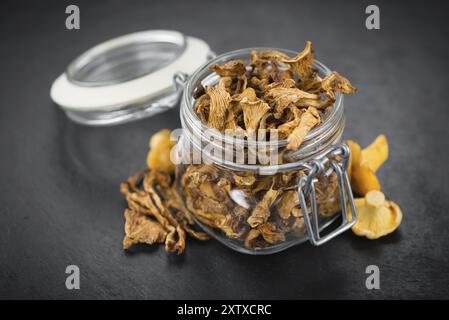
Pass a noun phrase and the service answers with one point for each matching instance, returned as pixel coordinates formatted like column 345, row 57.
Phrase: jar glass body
column 253, row 208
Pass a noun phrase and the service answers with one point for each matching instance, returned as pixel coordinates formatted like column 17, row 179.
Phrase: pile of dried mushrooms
column 273, row 91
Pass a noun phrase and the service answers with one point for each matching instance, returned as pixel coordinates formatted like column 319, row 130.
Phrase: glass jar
column 254, row 208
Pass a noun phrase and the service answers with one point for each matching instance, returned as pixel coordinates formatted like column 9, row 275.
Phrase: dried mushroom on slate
column 376, row 216
column 140, row 229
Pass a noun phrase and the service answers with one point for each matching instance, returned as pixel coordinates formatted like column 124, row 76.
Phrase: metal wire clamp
column 335, row 160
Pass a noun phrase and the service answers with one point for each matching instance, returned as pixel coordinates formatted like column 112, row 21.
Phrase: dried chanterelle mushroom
column 376, row 217
column 155, row 211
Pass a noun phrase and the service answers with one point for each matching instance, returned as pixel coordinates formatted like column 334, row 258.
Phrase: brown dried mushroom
column 140, row 229
column 309, row 119
column 253, row 112
column 302, row 64
column 156, row 212
column 219, row 102
column 264, row 93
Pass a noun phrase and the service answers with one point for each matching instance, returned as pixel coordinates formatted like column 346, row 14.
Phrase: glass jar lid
column 128, row 77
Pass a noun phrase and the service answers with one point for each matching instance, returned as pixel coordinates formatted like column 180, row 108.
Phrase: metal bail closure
column 129, row 77
column 334, row 161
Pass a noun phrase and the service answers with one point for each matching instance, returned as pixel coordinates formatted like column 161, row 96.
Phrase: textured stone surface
column 59, row 196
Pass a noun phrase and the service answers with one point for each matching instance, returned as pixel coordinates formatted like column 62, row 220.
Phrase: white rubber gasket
column 71, row 96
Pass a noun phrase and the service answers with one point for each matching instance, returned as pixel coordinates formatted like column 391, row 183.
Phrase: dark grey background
column 59, row 182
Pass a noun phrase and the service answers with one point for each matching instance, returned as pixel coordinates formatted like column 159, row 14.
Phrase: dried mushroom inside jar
column 259, row 210
column 156, row 213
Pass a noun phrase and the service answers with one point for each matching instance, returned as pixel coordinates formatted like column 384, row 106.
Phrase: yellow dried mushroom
column 376, row 153
column 140, row 229
column 363, row 164
column 159, row 156
column 156, row 213
column 376, row 216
